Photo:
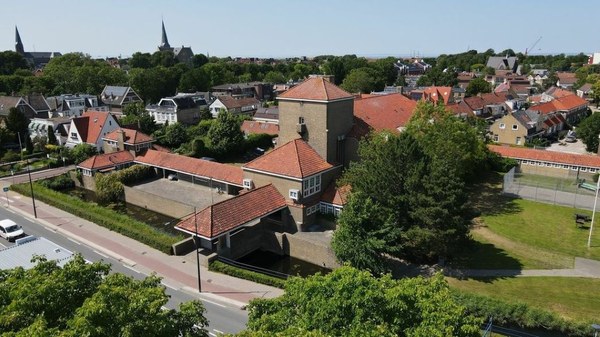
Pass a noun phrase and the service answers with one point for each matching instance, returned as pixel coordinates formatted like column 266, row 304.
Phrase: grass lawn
column 573, row 298
column 546, row 227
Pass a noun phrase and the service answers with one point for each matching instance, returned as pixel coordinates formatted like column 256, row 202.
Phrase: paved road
column 223, row 317
column 24, row 177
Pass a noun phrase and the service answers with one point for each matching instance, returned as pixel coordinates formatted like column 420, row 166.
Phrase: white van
column 10, row 230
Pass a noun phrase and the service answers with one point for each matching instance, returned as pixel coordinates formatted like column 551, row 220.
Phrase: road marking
column 2, row 245
column 212, row 334
column 73, row 241
column 103, row 255
column 49, row 229
column 218, row 331
column 131, row 268
column 168, row 286
column 215, row 303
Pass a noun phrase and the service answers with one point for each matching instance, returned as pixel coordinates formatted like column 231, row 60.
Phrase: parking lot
column 184, row 192
column 578, row 147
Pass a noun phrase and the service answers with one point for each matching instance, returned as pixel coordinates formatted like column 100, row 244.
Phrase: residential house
column 510, row 63
column 566, row 80
column 182, row 108
column 538, row 76
column 105, row 162
column 520, row 127
column 572, row 108
column 32, row 106
column 333, row 199
column 490, row 105
column 90, row 128
column 267, row 115
column 71, row 105
column 517, row 85
column 240, row 106
column 412, row 67
column 258, row 90
column 435, row 94
column 116, row 98
column 464, row 78
column 123, row 139
column 39, row 127
column 256, row 127
column 585, row 91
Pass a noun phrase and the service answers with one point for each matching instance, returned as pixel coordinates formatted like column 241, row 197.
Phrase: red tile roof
column 546, row 156
column 90, row 124
column 131, row 136
column 433, row 94
column 106, row 160
column 254, row 127
column 232, row 213
column 316, row 89
column 294, row 159
column 336, row 195
column 194, row 166
column 460, row 109
column 235, row 103
column 566, row 77
column 565, row 103
column 383, row 112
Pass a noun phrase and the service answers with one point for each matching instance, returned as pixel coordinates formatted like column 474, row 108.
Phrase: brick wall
column 157, row 203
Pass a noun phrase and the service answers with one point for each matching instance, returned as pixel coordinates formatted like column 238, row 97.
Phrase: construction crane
column 532, row 45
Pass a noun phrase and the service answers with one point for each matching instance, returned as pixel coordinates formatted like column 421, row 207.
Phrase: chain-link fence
column 568, row 187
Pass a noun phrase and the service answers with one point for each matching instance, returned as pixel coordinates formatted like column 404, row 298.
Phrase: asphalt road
column 24, row 177
column 222, row 318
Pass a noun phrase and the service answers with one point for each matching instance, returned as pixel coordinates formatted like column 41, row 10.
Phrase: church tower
column 164, row 42
column 18, row 44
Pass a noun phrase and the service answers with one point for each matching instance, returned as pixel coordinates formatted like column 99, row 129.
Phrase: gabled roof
column 90, row 124
column 557, row 92
column 460, row 109
column 564, row 103
column 116, row 94
column 130, row 136
column 336, row 195
column 548, row 156
column 230, row 214
column 194, row 166
column 316, row 89
column 254, row 127
column 106, row 160
column 433, row 94
column 295, row 159
column 383, row 112
column 566, row 77
column 585, row 88
column 37, row 102
column 234, row 103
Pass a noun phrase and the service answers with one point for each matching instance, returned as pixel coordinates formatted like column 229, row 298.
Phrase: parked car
column 10, row 230
column 172, row 177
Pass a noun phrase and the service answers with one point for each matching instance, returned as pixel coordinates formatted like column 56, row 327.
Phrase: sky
column 284, row 28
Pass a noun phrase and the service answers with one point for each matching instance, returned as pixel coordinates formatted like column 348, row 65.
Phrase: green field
column 573, row 298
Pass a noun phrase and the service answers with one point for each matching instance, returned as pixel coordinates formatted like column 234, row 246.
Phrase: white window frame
column 515, row 127
column 502, row 126
column 311, row 185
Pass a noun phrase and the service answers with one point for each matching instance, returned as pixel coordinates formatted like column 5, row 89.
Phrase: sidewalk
column 179, row 272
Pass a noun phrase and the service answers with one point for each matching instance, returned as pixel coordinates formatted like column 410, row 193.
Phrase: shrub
column 134, row 174
column 227, row 269
column 102, row 216
column 108, row 188
column 261, row 140
column 59, row 183
column 518, row 314
column 499, row 163
column 10, row 156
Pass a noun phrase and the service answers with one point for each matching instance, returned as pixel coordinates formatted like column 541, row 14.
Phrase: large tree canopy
column 349, row 302
column 588, row 132
column 83, row 299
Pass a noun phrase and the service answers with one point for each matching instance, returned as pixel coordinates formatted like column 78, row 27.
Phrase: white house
column 236, row 106
column 183, row 108
column 71, row 105
column 90, row 128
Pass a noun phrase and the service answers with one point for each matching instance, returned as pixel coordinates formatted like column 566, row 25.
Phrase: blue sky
column 302, row 28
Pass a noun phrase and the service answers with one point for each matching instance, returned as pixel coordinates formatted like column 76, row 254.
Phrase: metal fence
column 571, row 188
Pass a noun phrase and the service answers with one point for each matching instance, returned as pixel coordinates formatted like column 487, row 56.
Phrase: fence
column 254, row 268
column 570, row 188
column 489, row 330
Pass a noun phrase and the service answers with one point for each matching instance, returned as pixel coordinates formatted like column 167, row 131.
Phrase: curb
column 212, row 297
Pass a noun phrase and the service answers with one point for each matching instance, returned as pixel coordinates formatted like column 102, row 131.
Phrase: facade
column 123, row 139
column 38, row 127
column 32, row 106
column 71, row 105
column 90, row 128
column 183, row 108
column 236, row 106
column 105, row 162
column 513, row 128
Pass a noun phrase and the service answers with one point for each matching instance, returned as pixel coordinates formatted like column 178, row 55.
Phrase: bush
column 517, row 314
column 102, row 216
column 10, row 156
column 59, row 183
column 134, row 174
column 108, row 188
column 261, row 140
column 500, row 164
column 227, row 269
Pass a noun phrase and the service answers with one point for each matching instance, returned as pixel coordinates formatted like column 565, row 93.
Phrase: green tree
column 194, row 80
column 155, row 83
column 348, row 302
column 274, row 77
column 82, row 152
column 595, row 94
column 199, row 60
column 137, row 117
column 550, row 81
column 10, row 62
column 478, row 85
column 163, row 58
column 361, row 80
column 140, row 60
column 588, row 132
column 175, row 135
column 82, row 299
column 225, row 135
column 17, row 122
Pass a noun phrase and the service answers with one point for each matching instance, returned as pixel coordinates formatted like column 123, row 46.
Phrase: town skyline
column 270, row 29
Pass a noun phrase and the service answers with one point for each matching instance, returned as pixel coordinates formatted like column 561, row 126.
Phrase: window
column 584, row 169
column 515, row 127
column 312, row 209
column 566, row 167
column 311, row 185
column 502, row 125
column 74, row 135
column 496, row 138
column 518, row 141
column 300, row 120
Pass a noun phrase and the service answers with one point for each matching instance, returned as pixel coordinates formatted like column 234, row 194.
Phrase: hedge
column 521, row 315
column 104, row 217
column 227, row 269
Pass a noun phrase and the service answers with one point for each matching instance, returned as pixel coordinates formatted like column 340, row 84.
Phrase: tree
column 348, row 302
column 175, row 135
column 362, row 80
column 478, row 85
column 163, row 58
column 199, row 60
column 17, row 123
column 588, row 132
column 274, row 77
column 51, row 136
column 155, row 83
column 595, row 94
column 140, row 60
column 137, row 117
column 82, row 152
column 83, row 299
column 10, row 61
column 550, row 81
column 225, row 135
column 194, row 80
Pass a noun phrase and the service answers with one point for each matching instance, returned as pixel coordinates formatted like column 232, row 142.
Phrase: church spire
column 18, row 44
column 164, row 42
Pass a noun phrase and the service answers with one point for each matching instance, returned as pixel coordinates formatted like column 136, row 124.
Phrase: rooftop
column 316, row 89
column 20, row 255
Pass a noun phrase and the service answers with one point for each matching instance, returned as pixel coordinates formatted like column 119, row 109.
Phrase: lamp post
column 596, row 328
column 29, row 174
column 197, row 253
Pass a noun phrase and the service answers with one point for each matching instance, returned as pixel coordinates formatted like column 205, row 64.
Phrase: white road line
column 218, row 331
column 49, row 229
column 77, row 242
column 215, row 303
column 168, row 286
column 103, row 255
column 2, row 245
column 212, row 334
column 131, row 268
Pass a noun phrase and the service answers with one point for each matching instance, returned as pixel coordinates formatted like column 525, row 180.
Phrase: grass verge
column 102, row 216
column 230, row 270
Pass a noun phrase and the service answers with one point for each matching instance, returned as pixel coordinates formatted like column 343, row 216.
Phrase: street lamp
column 596, row 328
column 196, row 246
column 29, row 174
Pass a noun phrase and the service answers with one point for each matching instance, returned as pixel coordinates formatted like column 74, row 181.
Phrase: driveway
column 183, row 192
column 578, row 147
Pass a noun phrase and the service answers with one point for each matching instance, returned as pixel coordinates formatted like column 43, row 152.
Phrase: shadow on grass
column 487, row 198
column 479, row 259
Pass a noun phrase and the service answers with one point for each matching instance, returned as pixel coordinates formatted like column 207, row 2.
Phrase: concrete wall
column 301, row 246
column 157, row 203
column 88, row 182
